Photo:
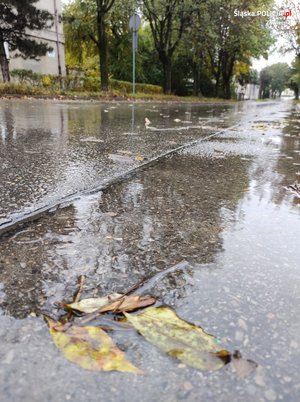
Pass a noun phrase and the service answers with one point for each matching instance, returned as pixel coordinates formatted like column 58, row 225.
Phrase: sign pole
column 133, row 62
column 134, row 24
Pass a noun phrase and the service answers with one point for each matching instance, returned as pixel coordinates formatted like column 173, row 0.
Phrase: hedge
column 78, row 83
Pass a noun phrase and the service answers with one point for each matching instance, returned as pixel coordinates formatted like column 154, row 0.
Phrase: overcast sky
column 274, row 57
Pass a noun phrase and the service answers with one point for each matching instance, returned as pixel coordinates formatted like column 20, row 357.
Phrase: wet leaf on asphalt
column 89, row 347
column 139, row 158
column 93, row 304
column 242, row 367
column 260, row 127
column 114, row 302
column 162, row 327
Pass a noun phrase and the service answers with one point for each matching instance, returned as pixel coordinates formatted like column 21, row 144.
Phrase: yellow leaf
column 180, row 339
column 89, row 347
column 139, row 158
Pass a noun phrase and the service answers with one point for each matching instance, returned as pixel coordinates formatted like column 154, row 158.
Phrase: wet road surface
column 219, row 211
column 52, row 150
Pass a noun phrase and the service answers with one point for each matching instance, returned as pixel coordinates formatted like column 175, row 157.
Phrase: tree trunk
column 227, row 69
column 296, row 90
column 102, row 47
column 196, row 79
column 4, row 63
column 167, row 68
column 227, row 89
column 217, row 86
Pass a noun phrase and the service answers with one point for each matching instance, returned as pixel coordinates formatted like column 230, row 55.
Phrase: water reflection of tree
column 288, row 163
column 172, row 213
column 169, row 213
column 30, row 155
column 26, row 266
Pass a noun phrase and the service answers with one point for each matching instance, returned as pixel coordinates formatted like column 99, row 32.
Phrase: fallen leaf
column 139, row 158
column 129, row 303
column 89, row 347
column 242, row 367
column 180, row 339
column 93, row 304
column 114, row 302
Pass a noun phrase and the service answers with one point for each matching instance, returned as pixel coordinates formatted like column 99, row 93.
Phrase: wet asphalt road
column 220, row 205
column 52, row 150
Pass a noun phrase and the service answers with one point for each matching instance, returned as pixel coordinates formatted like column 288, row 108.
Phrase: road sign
column 134, row 22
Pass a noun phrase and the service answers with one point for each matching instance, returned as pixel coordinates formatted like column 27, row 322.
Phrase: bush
column 91, row 84
column 13, row 88
column 126, row 87
column 78, row 82
column 26, row 76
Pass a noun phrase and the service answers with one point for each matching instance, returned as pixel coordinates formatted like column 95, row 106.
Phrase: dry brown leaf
column 115, row 302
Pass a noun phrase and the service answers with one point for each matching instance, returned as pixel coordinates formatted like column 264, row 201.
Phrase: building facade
column 53, row 62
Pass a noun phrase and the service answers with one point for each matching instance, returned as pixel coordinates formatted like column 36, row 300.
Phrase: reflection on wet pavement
column 222, row 207
column 51, row 150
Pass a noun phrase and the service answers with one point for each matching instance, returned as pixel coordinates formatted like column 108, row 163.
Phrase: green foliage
column 294, row 83
column 194, row 46
column 79, row 82
column 274, row 79
column 126, row 87
column 12, row 88
column 79, row 19
column 120, row 42
column 223, row 40
column 167, row 19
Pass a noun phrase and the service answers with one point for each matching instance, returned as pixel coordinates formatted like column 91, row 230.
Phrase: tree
column 233, row 39
column 216, row 41
column 274, row 79
column 120, row 41
column 280, row 75
column 265, row 81
column 295, row 78
column 79, row 25
column 16, row 18
column 103, row 7
column 101, row 22
column 287, row 27
column 168, row 20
